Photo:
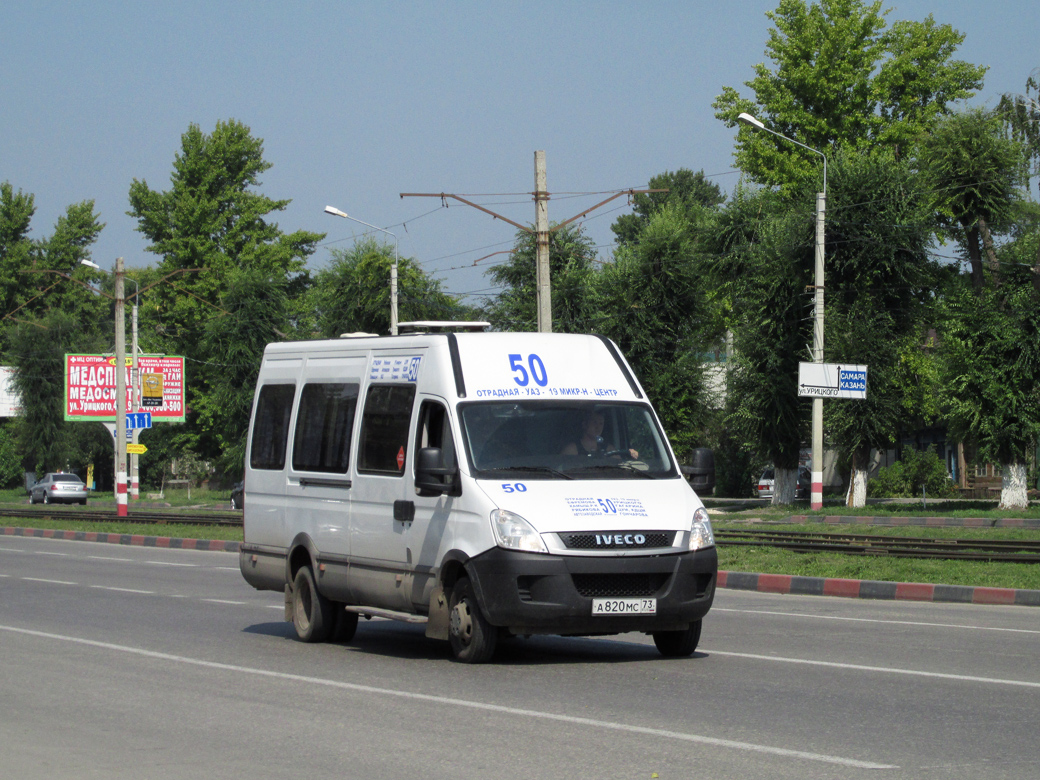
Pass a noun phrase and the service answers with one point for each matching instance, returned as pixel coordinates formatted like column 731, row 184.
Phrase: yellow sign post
column 136, row 449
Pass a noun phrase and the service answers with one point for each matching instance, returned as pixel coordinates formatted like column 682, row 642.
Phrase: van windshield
column 573, row 440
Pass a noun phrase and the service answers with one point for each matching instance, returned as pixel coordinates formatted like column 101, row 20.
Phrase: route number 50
column 536, row 366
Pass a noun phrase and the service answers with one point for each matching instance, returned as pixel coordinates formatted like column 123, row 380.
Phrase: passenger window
column 384, row 429
column 324, row 425
column 271, row 426
column 435, row 431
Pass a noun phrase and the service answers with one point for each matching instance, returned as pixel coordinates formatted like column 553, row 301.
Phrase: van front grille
column 619, row 585
column 617, row 540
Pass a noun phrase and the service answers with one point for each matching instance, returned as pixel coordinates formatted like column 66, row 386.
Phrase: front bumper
column 530, row 593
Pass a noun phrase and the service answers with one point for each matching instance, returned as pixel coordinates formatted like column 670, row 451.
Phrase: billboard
column 90, row 387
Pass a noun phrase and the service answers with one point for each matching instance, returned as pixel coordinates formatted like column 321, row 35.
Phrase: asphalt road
column 131, row 662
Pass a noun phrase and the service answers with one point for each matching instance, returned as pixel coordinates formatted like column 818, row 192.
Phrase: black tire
column 312, row 612
column 83, row 502
column 678, row 644
column 472, row 638
column 344, row 624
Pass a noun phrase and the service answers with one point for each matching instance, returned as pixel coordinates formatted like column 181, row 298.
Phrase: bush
column 903, row 479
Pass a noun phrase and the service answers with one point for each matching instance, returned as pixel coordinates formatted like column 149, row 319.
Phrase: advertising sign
column 90, row 387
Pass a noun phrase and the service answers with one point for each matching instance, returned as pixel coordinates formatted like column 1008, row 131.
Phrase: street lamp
column 120, row 435
column 393, row 271
column 817, row 408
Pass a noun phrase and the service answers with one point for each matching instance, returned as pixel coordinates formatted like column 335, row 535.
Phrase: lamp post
column 393, row 270
column 121, row 389
column 817, row 408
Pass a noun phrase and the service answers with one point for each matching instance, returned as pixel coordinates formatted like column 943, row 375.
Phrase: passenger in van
column 591, row 441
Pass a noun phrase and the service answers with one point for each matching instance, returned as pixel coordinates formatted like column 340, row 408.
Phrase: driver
column 591, row 441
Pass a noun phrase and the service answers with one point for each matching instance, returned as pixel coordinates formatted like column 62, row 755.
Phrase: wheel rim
column 462, row 622
column 302, row 611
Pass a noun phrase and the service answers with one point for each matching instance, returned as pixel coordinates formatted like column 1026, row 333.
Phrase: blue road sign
column 139, row 420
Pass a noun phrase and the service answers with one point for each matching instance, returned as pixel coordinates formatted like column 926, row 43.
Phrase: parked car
column 238, row 495
column 801, row 490
column 59, row 488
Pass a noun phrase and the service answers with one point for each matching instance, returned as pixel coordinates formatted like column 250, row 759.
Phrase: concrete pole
column 816, row 500
column 135, row 403
column 541, row 226
column 120, row 391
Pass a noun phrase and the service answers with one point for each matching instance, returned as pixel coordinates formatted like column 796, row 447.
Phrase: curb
column 874, row 589
column 137, row 540
column 927, row 522
column 734, row 580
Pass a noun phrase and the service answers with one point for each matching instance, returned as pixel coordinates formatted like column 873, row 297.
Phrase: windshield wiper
column 622, row 466
column 534, row 469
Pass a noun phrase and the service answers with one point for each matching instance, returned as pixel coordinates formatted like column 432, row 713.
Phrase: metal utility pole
column 541, row 231
column 120, row 367
column 541, row 240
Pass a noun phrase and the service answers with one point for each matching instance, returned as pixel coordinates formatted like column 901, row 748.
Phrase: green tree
column 353, row 293
column 691, row 190
column 652, row 302
column 763, row 261
column 258, row 313
column 212, row 222
column 571, row 255
column 989, row 336
column 974, row 173
column 840, row 79
column 879, row 283
column 37, row 353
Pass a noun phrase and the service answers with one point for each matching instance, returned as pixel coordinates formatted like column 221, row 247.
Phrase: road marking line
column 51, row 582
column 444, row 700
column 878, row 620
column 124, row 590
column 166, row 563
column 224, row 601
column 883, row 669
column 105, row 558
column 46, row 552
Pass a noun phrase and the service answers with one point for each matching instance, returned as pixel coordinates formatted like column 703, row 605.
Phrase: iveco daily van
column 485, row 484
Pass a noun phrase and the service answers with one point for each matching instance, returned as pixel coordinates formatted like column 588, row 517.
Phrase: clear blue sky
column 360, row 101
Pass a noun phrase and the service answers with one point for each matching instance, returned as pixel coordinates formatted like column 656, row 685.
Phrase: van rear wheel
column 472, row 638
column 678, row 644
column 311, row 612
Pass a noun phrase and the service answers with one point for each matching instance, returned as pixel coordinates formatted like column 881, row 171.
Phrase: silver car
column 59, row 488
column 764, row 488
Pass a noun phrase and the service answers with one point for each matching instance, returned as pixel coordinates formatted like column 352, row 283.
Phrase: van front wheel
column 472, row 638
column 311, row 612
column 678, row 644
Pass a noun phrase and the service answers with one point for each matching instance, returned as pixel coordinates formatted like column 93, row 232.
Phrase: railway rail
column 1021, row 551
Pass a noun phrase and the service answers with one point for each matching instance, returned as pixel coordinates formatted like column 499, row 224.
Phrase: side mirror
column 432, row 477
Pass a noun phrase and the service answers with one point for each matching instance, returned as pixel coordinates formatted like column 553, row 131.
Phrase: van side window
column 271, row 426
column 435, row 431
column 384, row 429
column 324, row 424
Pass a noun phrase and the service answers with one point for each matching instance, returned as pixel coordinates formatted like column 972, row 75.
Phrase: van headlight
column 514, row 533
column 701, row 536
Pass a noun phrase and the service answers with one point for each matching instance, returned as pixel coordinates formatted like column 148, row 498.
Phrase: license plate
column 624, row 606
